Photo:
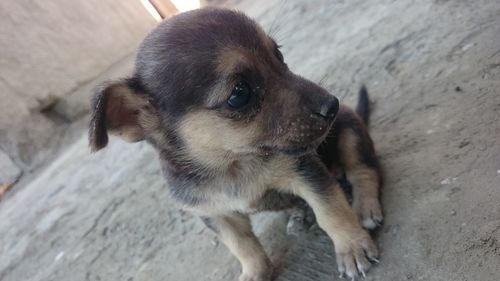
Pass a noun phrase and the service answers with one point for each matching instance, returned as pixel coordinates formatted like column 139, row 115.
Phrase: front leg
column 235, row 231
column 353, row 245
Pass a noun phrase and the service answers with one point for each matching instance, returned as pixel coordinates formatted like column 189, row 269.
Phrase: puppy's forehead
column 205, row 32
column 184, row 55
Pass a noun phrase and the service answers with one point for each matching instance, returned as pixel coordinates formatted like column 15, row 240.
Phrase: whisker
column 273, row 23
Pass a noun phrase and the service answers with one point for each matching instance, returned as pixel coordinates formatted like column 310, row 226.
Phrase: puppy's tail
column 363, row 107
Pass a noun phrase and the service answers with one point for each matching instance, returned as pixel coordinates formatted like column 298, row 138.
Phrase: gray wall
column 50, row 51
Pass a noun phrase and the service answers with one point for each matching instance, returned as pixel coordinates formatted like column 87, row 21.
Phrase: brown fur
column 122, row 112
column 223, row 160
column 366, row 180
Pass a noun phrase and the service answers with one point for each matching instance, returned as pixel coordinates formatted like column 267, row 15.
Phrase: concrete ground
column 433, row 71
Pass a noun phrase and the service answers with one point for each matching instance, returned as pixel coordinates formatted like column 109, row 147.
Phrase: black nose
column 329, row 108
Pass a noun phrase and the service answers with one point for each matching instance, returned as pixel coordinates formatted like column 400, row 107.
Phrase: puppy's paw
column 255, row 277
column 257, row 273
column 355, row 253
column 369, row 212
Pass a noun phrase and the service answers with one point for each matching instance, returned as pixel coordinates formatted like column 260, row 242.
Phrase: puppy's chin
column 297, row 151
column 291, row 150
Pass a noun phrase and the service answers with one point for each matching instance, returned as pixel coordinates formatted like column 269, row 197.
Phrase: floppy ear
column 121, row 109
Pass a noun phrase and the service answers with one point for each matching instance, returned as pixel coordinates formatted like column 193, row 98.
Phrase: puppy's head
column 211, row 81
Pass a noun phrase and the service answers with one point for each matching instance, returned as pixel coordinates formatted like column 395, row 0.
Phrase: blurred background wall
column 52, row 54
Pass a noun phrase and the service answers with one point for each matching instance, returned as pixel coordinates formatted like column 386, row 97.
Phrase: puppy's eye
column 279, row 55
column 240, row 96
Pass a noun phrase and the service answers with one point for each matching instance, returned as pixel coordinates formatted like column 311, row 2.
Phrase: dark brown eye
column 279, row 55
column 240, row 96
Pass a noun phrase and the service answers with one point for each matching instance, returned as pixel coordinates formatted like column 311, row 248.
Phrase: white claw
column 375, row 260
column 363, row 273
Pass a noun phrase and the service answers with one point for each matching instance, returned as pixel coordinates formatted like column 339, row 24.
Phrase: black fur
column 314, row 172
column 363, row 107
column 350, row 120
column 98, row 132
column 275, row 200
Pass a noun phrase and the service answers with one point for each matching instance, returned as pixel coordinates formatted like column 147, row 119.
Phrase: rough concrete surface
column 433, row 71
column 9, row 172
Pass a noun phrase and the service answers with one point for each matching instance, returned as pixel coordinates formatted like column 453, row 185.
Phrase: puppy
column 237, row 132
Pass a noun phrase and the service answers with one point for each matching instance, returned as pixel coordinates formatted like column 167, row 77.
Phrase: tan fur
column 332, row 211
column 228, row 61
column 230, row 58
column 128, row 114
column 365, row 181
column 353, row 244
column 235, row 231
column 213, row 140
column 255, row 176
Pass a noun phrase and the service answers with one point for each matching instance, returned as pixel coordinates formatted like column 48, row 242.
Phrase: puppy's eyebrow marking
column 218, row 93
column 229, row 59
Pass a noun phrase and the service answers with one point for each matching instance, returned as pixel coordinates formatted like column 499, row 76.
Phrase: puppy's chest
column 237, row 189
column 222, row 196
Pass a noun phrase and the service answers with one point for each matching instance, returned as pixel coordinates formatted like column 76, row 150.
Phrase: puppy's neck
column 218, row 161
column 179, row 161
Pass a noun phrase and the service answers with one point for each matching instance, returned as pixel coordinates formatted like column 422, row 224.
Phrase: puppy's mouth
column 297, row 149
column 293, row 150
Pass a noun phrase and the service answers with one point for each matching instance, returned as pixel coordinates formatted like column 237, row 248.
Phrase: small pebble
column 458, row 89
column 59, row 256
column 446, row 181
column 453, row 213
column 466, row 47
